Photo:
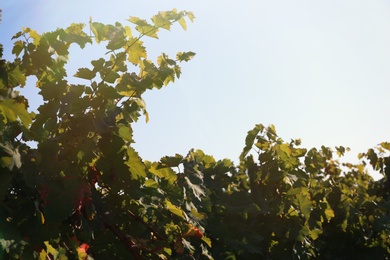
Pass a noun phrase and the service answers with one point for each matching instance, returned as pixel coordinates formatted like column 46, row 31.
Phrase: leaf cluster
column 83, row 192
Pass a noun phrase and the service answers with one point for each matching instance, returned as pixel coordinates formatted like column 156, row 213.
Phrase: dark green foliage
column 83, row 192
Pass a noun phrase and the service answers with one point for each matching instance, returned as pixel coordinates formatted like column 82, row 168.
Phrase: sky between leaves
column 317, row 70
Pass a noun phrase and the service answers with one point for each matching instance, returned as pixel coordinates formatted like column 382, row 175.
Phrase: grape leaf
column 137, row 168
column 12, row 111
column 85, row 73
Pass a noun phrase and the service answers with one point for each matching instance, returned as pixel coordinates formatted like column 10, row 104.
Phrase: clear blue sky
column 317, row 70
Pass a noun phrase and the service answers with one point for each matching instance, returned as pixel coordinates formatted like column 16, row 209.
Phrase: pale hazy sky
column 317, row 70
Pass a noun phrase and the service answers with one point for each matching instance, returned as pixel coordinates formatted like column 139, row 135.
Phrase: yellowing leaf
column 183, row 23
column 34, row 35
column 191, row 16
column 128, row 31
column 161, row 21
column 135, row 51
column 137, row 21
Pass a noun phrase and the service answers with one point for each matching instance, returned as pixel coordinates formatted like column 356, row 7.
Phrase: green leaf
column 250, row 139
column 76, row 34
column 373, row 158
column 97, row 64
column 207, row 241
column 329, row 214
column 341, row 150
column 386, row 145
column 315, row 233
column 144, row 27
column 85, row 73
column 16, row 77
column 171, row 161
column 51, row 250
column 135, row 51
column 138, row 21
column 161, row 21
column 185, row 56
column 18, row 47
column 98, row 30
column 299, row 152
column 197, row 215
column 35, row 36
column 125, row 132
column 165, row 172
column 110, row 76
column 174, row 209
column 305, row 205
column 271, row 132
column 150, row 183
column 137, row 167
column 12, row 111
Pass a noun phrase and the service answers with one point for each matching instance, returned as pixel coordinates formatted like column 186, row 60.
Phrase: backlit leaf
column 183, row 23
column 160, row 21
column 18, row 47
column 191, row 16
column 250, row 138
column 165, row 172
column 12, row 111
column 137, row 168
column 174, row 209
column 305, row 205
column 206, row 240
column 150, row 183
column 125, row 132
column 135, row 51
